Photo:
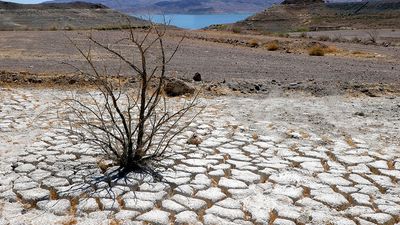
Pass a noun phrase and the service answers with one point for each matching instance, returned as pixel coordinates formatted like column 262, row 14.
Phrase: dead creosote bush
column 356, row 40
column 316, row 51
column 272, row 46
column 324, row 38
column 373, row 36
column 253, row 43
column 303, row 35
column 133, row 125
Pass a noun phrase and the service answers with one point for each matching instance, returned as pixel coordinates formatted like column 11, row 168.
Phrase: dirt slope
column 319, row 16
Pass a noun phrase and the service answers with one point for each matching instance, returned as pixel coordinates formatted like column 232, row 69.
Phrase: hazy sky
column 25, row 1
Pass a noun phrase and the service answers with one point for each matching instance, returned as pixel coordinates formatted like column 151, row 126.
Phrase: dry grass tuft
column 331, row 49
column 253, row 43
column 115, row 222
column 273, row 215
column 71, row 221
column 316, row 51
column 53, row 194
column 255, row 136
column 272, row 46
column 391, row 165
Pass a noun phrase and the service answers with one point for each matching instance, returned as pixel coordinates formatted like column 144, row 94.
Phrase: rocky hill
column 295, row 15
column 185, row 6
column 55, row 16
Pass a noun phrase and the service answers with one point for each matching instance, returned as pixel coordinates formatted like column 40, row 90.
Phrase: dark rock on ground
column 177, row 87
column 197, row 77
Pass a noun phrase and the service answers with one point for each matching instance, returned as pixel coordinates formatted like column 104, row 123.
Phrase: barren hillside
column 308, row 16
column 77, row 15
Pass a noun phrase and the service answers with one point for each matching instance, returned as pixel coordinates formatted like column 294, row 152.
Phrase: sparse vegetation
column 237, row 30
column 356, row 40
column 331, row 49
column 316, row 51
column 303, row 35
column 253, row 43
column 324, row 38
column 373, row 36
column 272, row 46
column 131, row 126
column 338, row 38
column 285, row 35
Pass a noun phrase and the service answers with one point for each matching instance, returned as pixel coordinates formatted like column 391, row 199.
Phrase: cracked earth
column 271, row 160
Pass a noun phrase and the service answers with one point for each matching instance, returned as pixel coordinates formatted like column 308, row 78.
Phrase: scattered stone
column 197, row 77
column 177, row 87
column 194, row 140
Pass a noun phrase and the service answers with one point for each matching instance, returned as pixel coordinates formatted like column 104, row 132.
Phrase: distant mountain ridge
column 184, row 6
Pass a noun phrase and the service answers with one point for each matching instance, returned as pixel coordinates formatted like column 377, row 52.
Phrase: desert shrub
column 324, row 38
column 316, row 51
column 303, row 35
column 285, row 35
column 253, row 43
column 130, row 125
column 237, row 30
column 272, row 46
column 356, row 40
column 338, row 38
column 331, row 49
column 373, row 36
column 357, row 52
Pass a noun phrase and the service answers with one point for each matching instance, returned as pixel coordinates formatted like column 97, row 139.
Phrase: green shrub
column 237, row 30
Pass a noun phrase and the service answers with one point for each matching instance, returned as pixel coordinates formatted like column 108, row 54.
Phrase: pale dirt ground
column 44, row 52
column 263, row 160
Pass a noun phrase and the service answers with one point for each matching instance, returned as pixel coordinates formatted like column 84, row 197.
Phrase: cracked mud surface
column 273, row 160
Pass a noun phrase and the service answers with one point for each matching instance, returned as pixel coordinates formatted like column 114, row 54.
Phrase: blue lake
column 189, row 21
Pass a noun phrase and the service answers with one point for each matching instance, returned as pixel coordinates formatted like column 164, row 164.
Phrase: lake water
column 196, row 21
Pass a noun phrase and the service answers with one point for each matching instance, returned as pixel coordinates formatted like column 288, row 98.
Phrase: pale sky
column 25, row 1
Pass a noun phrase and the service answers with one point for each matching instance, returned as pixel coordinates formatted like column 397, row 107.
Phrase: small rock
column 194, row 140
column 177, row 87
column 359, row 114
column 197, row 77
